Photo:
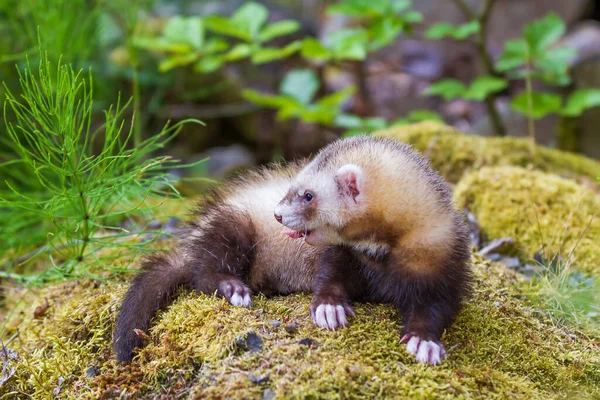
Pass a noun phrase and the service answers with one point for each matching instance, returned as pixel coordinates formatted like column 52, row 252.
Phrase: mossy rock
column 498, row 348
column 453, row 153
column 539, row 211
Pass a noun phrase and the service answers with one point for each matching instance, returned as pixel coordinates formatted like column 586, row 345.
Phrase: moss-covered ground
column 454, row 153
column 499, row 348
column 201, row 347
column 541, row 211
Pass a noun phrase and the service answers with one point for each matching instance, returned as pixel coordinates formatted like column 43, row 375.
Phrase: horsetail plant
column 79, row 187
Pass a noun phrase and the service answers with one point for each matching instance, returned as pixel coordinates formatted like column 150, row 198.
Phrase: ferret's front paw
column 331, row 316
column 426, row 351
column 236, row 293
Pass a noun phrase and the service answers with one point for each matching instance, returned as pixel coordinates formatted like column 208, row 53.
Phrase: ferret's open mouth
column 296, row 234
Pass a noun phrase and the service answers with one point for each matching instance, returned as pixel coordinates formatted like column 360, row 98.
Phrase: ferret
column 367, row 219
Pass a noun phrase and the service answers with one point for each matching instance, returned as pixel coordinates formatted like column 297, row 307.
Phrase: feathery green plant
column 74, row 184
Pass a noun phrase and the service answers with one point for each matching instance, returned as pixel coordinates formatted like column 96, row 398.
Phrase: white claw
column 236, row 299
column 426, row 351
column 341, row 315
column 413, row 345
column 239, row 300
column 328, row 316
column 247, row 300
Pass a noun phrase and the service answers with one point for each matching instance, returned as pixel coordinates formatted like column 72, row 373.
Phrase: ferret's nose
column 278, row 217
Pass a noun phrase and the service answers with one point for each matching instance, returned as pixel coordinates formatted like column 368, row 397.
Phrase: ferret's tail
column 161, row 275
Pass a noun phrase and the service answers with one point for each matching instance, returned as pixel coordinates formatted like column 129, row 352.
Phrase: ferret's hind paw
column 425, row 351
column 236, row 293
column 331, row 316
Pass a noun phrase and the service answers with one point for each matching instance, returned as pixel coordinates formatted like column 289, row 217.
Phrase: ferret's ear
column 349, row 179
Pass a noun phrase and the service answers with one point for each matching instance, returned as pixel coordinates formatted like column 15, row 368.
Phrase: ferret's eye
column 308, row 196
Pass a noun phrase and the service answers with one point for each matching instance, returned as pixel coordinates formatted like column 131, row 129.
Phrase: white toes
column 329, row 316
column 247, row 300
column 341, row 315
column 239, row 300
column 426, row 351
column 429, row 353
column 236, row 299
column 413, row 345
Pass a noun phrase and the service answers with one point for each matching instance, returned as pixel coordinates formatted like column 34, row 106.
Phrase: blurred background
column 278, row 79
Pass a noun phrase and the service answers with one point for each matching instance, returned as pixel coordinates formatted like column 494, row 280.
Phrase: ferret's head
column 321, row 202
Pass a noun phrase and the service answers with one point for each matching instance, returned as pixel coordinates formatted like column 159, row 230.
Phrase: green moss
column 498, row 348
column 539, row 210
column 454, row 153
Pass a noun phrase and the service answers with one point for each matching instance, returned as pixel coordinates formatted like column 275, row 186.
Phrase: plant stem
column 486, row 60
column 137, row 126
column 530, row 121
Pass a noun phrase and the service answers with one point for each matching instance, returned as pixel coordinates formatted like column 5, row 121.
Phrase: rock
column 474, row 230
column 495, row 257
column 258, row 380
column 308, row 342
column 497, row 246
column 268, row 394
column 511, row 262
column 251, row 342
column 222, row 160
column 292, row 328
column 275, row 323
column 91, row 372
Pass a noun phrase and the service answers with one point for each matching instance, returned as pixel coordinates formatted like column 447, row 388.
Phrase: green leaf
column 465, row 30
column 177, row 60
column 542, row 104
column 361, row 8
column 443, row 30
column 423, row 115
column 336, row 99
column 439, row 31
column 515, row 54
column 239, row 51
column 543, row 32
column 483, row 86
column 300, row 84
column 412, row 17
column 271, row 101
column 554, row 64
column 268, row 54
column 185, row 30
column 223, row 26
column 215, row 45
column 208, row 64
column 160, row 44
column 313, row 50
column 348, row 121
column 348, row 44
column 383, row 32
column 448, row 88
column 250, row 18
column 277, row 29
column 400, row 5
column 581, row 100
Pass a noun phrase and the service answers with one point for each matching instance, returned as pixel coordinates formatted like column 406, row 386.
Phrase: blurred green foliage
column 535, row 56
